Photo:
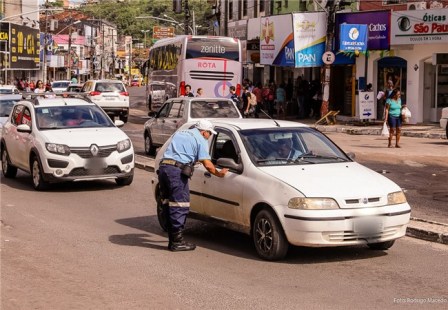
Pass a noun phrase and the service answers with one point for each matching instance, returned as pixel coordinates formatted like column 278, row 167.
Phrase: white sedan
column 65, row 139
column 289, row 184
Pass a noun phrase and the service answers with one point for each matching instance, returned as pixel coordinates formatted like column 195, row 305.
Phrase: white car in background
column 315, row 195
column 8, row 89
column 65, row 139
column 60, row 86
column 444, row 120
column 110, row 95
column 6, row 104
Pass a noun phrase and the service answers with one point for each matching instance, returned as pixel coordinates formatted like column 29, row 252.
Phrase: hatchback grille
column 81, row 172
column 84, row 152
column 211, row 75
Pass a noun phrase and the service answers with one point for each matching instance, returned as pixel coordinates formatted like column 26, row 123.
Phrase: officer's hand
column 223, row 172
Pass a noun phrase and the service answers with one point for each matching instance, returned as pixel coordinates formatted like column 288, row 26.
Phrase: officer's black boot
column 178, row 244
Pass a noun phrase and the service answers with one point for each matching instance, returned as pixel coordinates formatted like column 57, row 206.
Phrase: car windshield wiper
column 311, row 155
column 288, row 160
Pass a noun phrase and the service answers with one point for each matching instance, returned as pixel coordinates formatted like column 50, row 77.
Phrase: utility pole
column 187, row 16
column 331, row 11
column 44, row 58
column 69, row 54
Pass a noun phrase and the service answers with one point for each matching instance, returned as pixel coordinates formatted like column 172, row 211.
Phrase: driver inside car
column 285, row 150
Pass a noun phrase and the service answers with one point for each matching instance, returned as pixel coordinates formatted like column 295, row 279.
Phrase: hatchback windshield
column 213, row 109
column 72, row 117
column 289, row 146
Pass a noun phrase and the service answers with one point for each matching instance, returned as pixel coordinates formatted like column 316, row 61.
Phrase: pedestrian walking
column 280, row 94
column 188, row 92
column 200, row 92
column 176, row 167
column 393, row 116
column 258, row 95
column 235, row 98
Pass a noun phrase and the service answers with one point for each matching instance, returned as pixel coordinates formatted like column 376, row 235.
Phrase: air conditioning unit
column 417, row 5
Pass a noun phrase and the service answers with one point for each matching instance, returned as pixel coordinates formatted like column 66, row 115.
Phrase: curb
column 439, row 134
column 417, row 228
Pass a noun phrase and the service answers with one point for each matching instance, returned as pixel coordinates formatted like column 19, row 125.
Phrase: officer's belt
column 172, row 162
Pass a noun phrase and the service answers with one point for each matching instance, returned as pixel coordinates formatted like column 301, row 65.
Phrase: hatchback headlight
column 123, row 145
column 60, row 149
column 312, row 203
column 396, row 198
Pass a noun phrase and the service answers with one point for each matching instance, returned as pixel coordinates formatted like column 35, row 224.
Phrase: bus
column 209, row 62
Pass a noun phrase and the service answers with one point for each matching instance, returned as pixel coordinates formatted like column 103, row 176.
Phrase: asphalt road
column 93, row 245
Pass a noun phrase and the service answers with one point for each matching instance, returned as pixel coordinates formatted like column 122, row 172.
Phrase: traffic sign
column 328, row 58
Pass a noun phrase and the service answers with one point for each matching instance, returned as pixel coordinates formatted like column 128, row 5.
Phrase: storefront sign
column 25, row 46
column 353, row 37
column 309, row 38
column 366, row 105
column 4, row 45
column 378, row 24
column 420, row 27
column 277, row 41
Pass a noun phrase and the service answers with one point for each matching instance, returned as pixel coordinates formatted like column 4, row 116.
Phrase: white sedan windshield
column 285, row 146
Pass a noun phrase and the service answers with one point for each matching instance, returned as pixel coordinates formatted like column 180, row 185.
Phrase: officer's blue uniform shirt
column 187, row 146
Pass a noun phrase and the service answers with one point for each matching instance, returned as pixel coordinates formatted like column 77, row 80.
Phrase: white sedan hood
column 338, row 180
column 84, row 137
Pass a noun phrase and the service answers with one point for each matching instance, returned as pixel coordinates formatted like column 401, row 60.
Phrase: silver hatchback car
column 177, row 111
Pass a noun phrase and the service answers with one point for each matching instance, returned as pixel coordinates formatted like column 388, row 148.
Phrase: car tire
column 125, row 181
column 268, row 236
column 381, row 246
column 162, row 215
column 124, row 118
column 150, row 148
column 39, row 183
column 9, row 171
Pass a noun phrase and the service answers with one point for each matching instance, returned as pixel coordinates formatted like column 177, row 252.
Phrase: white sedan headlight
column 303, row 203
column 396, row 198
column 60, row 149
column 123, row 145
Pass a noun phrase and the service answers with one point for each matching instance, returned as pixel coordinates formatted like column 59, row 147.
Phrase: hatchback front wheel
column 37, row 175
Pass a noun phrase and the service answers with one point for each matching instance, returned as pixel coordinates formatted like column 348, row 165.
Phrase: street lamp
column 144, row 33
column 192, row 29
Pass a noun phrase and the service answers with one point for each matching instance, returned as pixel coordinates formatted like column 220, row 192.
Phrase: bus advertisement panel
column 211, row 63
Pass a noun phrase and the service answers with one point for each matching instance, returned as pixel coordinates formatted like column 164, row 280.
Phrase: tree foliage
column 123, row 13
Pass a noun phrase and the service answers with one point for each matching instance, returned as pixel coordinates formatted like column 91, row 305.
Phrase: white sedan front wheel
column 268, row 236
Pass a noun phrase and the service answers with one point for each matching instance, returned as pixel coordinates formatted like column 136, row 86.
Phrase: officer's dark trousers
column 175, row 196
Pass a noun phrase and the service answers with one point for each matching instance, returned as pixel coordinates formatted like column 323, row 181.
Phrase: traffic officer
column 185, row 148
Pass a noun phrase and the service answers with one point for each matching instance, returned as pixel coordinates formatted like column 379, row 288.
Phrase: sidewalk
column 432, row 131
column 418, row 228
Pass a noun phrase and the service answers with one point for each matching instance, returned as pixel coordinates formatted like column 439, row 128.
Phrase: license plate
column 110, row 98
column 370, row 225
column 95, row 164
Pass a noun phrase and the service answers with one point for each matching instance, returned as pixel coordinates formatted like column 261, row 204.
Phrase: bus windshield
column 224, row 49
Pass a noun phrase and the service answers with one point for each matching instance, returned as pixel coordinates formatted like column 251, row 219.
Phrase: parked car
column 65, row 139
column 111, row 95
column 74, row 88
column 8, row 89
column 177, row 111
column 59, row 86
column 6, row 104
column 157, row 93
column 288, row 184
column 444, row 120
